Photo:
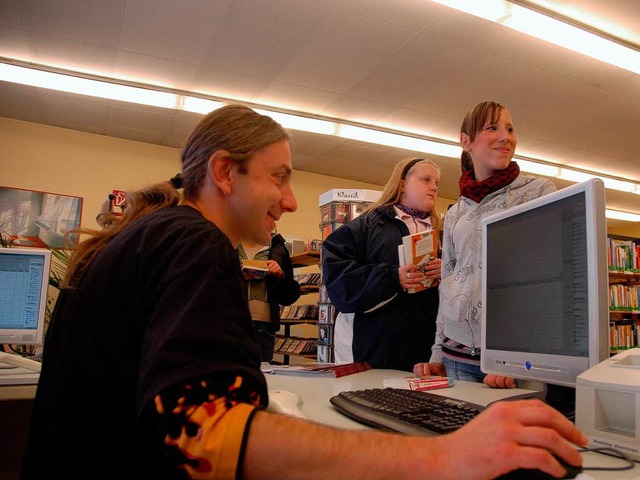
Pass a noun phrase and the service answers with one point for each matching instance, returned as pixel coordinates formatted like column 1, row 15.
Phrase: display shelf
column 305, row 259
column 291, row 346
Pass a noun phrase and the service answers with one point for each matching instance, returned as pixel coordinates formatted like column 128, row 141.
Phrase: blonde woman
column 361, row 270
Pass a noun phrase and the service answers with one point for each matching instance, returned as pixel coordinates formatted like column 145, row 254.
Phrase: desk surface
column 316, row 393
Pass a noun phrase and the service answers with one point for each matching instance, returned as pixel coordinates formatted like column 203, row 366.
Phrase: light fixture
column 626, row 216
column 145, row 95
column 537, row 168
column 397, row 140
column 550, row 29
column 86, row 86
column 199, row 105
column 297, row 122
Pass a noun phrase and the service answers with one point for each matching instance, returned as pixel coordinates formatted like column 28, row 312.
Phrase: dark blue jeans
column 463, row 371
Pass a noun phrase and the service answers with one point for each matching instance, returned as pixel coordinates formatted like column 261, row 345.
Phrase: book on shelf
column 418, row 249
column 315, row 369
column 257, row 268
column 418, row 383
column 293, row 345
column 279, row 343
column 299, row 346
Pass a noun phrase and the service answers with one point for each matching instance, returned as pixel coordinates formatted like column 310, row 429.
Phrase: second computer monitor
column 545, row 287
column 24, row 280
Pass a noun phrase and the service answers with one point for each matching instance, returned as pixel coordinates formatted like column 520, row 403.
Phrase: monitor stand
column 562, row 399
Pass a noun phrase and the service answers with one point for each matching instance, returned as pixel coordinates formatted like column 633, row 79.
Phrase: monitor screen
column 24, row 280
column 545, row 287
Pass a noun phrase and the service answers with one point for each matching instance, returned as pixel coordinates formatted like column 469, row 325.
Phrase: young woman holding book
column 490, row 181
column 363, row 275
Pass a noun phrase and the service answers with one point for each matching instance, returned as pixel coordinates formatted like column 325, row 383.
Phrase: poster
column 30, row 218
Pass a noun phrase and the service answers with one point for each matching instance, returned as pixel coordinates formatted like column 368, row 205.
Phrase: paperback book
column 327, row 370
column 257, row 268
column 418, row 249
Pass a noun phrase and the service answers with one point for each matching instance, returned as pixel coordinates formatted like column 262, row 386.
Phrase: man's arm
column 506, row 436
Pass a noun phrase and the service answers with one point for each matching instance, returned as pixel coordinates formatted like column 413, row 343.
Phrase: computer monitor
column 24, row 279
column 545, row 289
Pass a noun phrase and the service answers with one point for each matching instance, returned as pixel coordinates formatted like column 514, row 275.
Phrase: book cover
column 418, row 383
column 293, row 345
column 418, row 249
column 279, row 343
column 257, row 268
column 286, row 344
column 328, row 370
column 301, row 346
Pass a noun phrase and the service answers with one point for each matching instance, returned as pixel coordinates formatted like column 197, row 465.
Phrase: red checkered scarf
column 476, row 191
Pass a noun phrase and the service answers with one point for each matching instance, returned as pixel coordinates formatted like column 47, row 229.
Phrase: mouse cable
column 612, row 452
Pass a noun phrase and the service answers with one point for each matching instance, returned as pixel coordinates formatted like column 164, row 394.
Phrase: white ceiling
column 410, row 65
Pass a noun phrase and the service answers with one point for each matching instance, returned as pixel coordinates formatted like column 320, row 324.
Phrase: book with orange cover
column 330, row 370
column 418, row 249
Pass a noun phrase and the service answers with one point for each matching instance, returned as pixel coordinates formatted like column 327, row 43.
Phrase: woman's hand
column 432, row 269
column 274, row 269
column 498, row 381
column 410, row 276
column 429, row 369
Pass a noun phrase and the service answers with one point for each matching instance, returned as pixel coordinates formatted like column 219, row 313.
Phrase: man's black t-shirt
column 162, row 303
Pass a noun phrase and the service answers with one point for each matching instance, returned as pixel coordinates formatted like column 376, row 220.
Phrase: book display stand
column 337, row 207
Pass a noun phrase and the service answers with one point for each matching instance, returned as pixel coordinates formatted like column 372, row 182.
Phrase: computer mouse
column 283, row 401
column 535, row 474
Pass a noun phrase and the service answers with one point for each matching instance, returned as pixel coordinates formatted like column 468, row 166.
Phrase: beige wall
column 58, row 160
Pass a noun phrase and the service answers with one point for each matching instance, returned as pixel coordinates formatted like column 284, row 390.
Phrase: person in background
column 266, row 294
column 490, row 182
column 361, row 271
column 106, row 217
column 165, row 382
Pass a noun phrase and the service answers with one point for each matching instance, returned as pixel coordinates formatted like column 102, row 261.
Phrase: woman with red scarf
column 490, row 182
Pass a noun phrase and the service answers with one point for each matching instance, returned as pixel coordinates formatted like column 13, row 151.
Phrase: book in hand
column 326, row 370
column 418, row 249
column 418, row 383
column 256, row 268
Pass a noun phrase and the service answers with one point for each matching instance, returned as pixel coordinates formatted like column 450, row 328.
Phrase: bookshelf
column 624, row 293
column 293, row 340
column 305, row 259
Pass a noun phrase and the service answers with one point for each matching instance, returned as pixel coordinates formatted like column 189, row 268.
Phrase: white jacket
column 459, row 313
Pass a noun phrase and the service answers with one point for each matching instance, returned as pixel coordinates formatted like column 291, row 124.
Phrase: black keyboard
column 405, row 411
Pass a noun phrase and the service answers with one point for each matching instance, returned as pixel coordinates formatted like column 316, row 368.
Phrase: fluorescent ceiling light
column 199, row 105
column 306, row 124
column 399, row 141
column 618, row 215
column 537, row 168
column 148, row 96
column 550, row 30
column 574, row 175
column 85, row 86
